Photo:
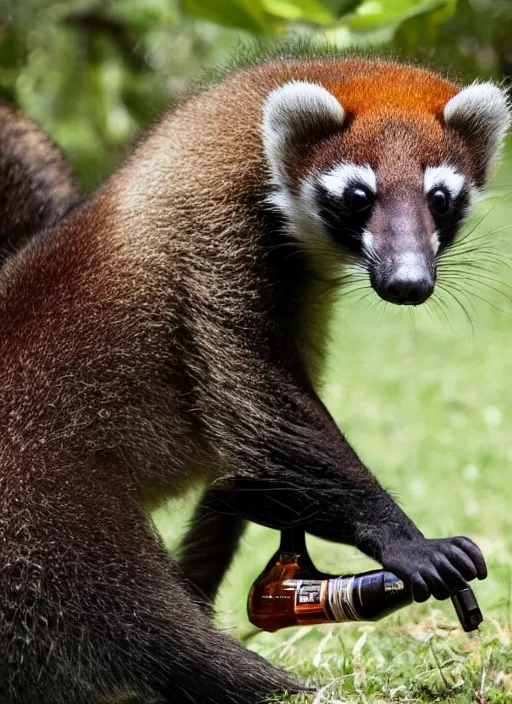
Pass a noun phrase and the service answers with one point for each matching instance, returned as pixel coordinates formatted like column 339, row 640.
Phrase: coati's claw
column 436, row 567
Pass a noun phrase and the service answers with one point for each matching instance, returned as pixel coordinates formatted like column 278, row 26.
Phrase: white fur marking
column 434, row 240
column 484, row 108
column 337, row 179
column 475, row 197
column 444, row 176
column 306, row 226
column 292, row 111
column 368, row 241
column 304, row 222
column 410, row 266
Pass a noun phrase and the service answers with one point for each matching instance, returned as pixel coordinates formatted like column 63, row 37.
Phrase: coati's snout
column 399, row 246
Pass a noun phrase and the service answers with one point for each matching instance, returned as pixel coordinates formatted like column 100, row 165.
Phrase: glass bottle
column 292, row 592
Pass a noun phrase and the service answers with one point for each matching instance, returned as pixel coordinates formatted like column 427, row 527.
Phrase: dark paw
column 435, row 567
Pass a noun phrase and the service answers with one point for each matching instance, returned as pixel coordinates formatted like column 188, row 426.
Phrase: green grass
column 427, row 403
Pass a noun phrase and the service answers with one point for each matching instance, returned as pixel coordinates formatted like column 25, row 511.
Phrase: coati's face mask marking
column 387, row 189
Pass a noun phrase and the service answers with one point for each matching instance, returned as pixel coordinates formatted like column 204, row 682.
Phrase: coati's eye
column 358, row 199
column 345, row 197
column 440, row 201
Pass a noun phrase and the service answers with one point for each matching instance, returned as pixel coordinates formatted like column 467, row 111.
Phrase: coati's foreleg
column 293, row 466
column 209, row 547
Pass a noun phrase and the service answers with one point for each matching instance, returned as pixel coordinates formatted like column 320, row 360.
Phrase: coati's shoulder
column 36, row 184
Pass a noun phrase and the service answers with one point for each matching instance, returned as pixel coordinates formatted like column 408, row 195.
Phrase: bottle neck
column 293, row 545
column 293, row 540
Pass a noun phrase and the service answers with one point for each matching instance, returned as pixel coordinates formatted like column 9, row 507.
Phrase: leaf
column 374, row 14
column 342, row 7
column 430, row 36
column 248, row 15
column 317, row 659
column 356, row 650
column 299, row 10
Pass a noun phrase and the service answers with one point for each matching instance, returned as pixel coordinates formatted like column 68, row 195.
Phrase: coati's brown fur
column 36, row 184
column 37, row 189
column 156, row 337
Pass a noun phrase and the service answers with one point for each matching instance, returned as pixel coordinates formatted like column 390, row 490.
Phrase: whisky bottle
column 292, row 592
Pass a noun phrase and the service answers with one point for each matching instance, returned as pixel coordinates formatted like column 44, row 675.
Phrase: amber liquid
column 292, row 592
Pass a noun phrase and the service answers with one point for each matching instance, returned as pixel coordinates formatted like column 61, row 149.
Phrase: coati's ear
column 480, row 112
column 294, row 113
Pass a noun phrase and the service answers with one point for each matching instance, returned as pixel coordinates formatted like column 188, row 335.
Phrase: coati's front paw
column 435, row 567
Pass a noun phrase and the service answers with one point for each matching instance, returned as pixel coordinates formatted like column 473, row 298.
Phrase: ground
column 425, row 397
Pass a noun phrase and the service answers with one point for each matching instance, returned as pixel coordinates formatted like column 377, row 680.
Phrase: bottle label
column 307, row 591
column 341, row 599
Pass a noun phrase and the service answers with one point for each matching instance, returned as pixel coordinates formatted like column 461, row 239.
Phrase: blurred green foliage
column 93, row 73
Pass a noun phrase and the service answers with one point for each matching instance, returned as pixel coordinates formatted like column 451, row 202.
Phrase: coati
column 161, row 333
column 36, row 184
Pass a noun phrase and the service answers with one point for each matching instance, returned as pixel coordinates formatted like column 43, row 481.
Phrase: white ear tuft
column 296, row 110
column 483, row 110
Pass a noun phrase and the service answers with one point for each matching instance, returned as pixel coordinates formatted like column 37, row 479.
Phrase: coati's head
column 383, row 162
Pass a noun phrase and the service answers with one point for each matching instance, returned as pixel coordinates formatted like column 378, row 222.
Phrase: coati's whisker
column 449, row 292
column 490, row 273
column 486, row 214
column 471, row 292
column 481, row 280
column 440, row 308
column 485, row 254
column 472, row 264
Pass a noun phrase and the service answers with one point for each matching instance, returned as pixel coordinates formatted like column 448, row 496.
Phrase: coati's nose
column 409, row 279
column 409, row 288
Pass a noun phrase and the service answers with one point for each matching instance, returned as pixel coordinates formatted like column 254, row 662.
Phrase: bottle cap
column 467, row 609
